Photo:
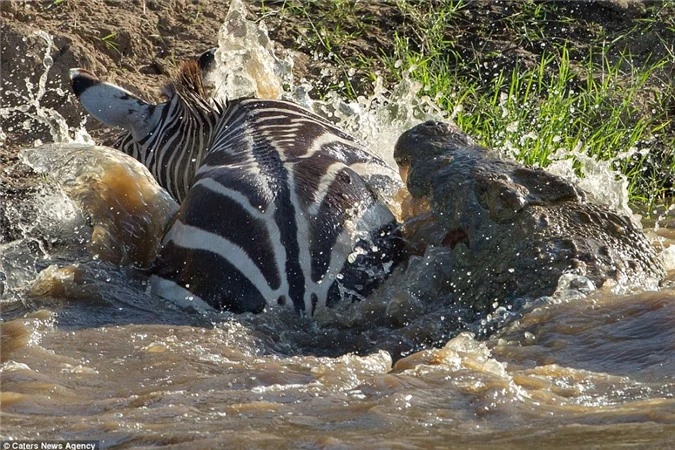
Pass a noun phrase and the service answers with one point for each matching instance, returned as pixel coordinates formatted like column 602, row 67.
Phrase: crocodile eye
column 402, row 160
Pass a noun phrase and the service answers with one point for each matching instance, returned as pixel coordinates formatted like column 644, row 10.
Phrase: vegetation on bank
column 531, row 78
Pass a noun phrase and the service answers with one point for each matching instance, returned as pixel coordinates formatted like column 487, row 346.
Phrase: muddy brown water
column 596, row 371
column 87, row 353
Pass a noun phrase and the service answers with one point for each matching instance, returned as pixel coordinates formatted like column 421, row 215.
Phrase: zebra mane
column 188, row 85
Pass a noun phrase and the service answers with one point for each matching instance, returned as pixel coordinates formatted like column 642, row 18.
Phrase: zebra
column 277, row 205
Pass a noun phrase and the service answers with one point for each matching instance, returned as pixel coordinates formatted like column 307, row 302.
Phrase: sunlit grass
column 555, row 106
column 547, row 99
column 530, row 115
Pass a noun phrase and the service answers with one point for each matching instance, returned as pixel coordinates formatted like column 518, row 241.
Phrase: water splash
column 28, row 103
column 379, row 119
column 603, row 184
column 47, row 220
column 50, row 224
column 247, row 65
column 124, row 204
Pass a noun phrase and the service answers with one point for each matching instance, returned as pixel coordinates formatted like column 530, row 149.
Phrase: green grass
column 331, row 32
column 109, row 41
column 554, row 104
column 534, row 80
column 531, row 115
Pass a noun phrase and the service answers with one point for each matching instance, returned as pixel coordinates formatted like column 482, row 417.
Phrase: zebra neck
column 176, row 147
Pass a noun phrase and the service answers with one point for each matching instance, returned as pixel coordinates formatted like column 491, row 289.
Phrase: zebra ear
column 113, row 105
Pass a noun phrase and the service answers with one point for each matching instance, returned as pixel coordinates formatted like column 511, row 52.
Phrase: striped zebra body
column 280, row 185
column 277, row 205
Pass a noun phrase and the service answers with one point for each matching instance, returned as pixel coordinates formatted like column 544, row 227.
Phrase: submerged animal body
column 277, row 205
column 512, row 231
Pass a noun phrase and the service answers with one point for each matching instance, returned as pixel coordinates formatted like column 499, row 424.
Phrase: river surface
column 89, row 354
column 107, row 362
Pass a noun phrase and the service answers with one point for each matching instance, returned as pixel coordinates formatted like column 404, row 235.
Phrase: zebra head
column 169, row 138
column 278, row 206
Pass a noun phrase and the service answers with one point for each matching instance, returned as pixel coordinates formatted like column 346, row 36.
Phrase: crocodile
column 511, row 231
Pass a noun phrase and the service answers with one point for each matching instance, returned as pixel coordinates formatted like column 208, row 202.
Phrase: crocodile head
column 515, row 229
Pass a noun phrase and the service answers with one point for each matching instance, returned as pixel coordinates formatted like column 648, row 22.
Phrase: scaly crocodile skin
column 512, row 231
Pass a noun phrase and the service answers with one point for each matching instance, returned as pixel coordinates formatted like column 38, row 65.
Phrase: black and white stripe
column 277, row 205
column 175, row 147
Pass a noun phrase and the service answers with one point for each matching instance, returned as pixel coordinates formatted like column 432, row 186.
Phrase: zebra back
column 282, row 204
column 277, row 205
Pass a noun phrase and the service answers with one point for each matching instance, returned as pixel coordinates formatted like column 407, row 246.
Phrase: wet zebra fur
column 277, row 205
